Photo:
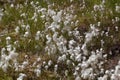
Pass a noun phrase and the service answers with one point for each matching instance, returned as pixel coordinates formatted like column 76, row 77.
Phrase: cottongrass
column 63, row 49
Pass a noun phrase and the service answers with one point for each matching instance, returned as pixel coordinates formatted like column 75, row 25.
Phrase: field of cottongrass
column 60, row 39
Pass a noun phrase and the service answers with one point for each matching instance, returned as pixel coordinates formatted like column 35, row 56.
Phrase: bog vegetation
column 59, row 39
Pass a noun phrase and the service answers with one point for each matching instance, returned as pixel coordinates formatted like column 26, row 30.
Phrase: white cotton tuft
column 77, row 78
column 37, row 37
column 8, row 39
column 86, row 73
column 38, row 72
column 21, row 76
column 27, row 34
column 13, row 55
column 17, row 29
